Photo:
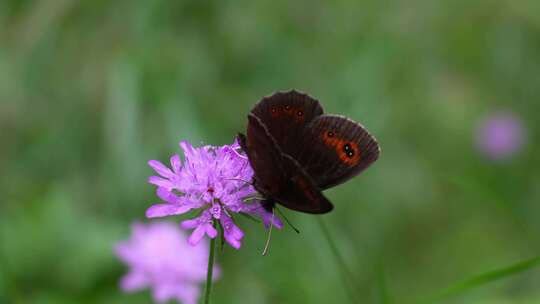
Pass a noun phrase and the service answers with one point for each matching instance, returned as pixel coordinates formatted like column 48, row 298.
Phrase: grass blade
column 483, row 279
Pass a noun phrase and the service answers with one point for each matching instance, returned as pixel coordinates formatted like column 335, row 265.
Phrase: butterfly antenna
column 287, row 220
column 239, row 179
column 258, row 198
column 238, row 154
column 267, row 245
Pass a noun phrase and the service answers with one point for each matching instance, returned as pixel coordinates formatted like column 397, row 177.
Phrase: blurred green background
column 91, row 90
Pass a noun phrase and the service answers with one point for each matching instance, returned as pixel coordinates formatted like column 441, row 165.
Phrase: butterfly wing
column 277, row 174
column 335, row 149
column 285, row 115
column 264, row 156
column 301, row 193
column 304, row 137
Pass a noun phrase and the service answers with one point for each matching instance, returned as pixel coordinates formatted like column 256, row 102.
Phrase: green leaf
column 483, row 279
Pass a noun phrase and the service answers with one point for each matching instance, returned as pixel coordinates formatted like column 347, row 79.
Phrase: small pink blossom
column 500, row 136
column 159, row 258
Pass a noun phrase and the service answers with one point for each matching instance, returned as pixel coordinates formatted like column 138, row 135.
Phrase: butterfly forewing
column 264, row 156
column 336, row 149
column 285, row 115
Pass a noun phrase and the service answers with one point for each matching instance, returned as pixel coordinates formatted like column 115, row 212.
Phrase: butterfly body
column 297, row 151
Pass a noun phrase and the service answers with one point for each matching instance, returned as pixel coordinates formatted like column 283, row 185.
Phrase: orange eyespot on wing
column 347, row 151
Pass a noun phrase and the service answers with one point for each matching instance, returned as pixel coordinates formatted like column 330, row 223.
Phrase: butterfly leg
column 242, row 141
column 268, row 204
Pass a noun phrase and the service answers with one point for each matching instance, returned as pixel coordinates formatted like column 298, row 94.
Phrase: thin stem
column 346, row 275
column 210, row 269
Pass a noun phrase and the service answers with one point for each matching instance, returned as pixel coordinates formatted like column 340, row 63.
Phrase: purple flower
column 500, row 136
column 214, row 180
column 159, row 258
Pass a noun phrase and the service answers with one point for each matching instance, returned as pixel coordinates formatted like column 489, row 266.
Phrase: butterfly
column 296, row 151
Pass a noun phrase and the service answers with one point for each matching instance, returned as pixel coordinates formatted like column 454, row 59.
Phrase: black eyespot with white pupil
column 287, row 107
column 349, row 151
column 330, row 134
column 273, row 110
column 300, row 113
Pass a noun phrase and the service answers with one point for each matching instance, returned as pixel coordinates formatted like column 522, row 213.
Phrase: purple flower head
column 159, row 258
column 214, row 180
column 500, row 136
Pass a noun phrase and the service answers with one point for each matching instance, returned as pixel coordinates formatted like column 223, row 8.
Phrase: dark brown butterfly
column 296, row 151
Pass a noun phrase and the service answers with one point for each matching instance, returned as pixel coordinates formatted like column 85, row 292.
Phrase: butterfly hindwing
column 337, row 150
column 301, row 193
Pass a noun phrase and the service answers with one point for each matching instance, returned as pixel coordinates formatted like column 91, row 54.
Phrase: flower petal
column 160, row 168
column 167, row 196
column 134, row 280
column 236, row 244
column 163, row 292
column 276, row 222
column 197, row 235
column 188, row 148
column 160, row 182
column 187, row 293
column 190, row 224
column 233, row 235
column 161, row 210
column 211, row 231
column 176, row 164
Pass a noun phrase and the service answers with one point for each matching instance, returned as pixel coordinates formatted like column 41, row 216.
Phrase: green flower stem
column 346, row 275
column 210, row 269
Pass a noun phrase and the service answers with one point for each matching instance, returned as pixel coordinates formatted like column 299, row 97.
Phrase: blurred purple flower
column 214, row 180
column 159, row 258
column 500, row 136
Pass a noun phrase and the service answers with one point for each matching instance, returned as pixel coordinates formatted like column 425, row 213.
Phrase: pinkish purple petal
column 122, row 250
column 160, row 168
column 161, row 182
column 268, row 218
column 233, row 235
column 197, row 235
column 188, row 295
column 168, row 196
column 188, row 148
column 134, row 280
column 190, row 224
column 211, row 231
column 161, row 210
column 176, row 164
column 163, row 293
